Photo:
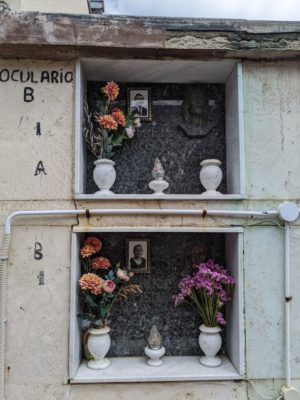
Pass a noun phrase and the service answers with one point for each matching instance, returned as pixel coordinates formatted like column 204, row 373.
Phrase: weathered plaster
column 272, row 122
column 98, row 35
column 39, row 312
column 21, row 148
column 264, row 302
column 166, row 391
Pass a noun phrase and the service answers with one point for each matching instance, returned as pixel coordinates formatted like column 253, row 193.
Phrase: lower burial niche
column 166, row 258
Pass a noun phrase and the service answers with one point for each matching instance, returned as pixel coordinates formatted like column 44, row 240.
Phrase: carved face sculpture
column 198, row 254
column 197, row 103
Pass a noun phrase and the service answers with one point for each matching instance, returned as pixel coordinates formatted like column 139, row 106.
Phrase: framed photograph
column 138, row 255
column 139, row 103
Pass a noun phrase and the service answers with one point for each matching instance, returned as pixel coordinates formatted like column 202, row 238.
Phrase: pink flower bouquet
column 102, row 284
column 207, row 290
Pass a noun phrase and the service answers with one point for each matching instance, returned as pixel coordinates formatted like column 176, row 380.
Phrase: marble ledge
column 135, row 369
column 221, row 197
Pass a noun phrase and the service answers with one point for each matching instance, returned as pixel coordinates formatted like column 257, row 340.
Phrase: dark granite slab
column 131, row 320
column 179, row 154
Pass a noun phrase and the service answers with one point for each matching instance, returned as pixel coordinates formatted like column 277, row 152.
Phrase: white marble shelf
column 159, row 197
column 135, row 369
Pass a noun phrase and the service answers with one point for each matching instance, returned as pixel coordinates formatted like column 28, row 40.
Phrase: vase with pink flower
column 106, row 131
column 207, row 290
column 101, row 285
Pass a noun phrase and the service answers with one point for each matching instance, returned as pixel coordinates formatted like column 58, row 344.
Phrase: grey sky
column 280, row 10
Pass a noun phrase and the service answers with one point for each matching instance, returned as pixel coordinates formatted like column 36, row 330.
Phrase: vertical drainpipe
column 3, row 268
column 288, row 300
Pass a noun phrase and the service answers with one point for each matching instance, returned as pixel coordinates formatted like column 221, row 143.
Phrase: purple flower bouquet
column 207, row 290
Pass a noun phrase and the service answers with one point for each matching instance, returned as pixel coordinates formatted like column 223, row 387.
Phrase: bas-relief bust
column 196, row 119
column 196, row 253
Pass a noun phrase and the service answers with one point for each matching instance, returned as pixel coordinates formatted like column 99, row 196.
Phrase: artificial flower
column 119, row 116
column 207, row 289
column 87, row 251
column 99, row 289
column 101, row 263
column 94, row 242
column 111, row 89
column 137, row 122
column 123, row 275
column 108, row 286
column 108, row 122
column 91, row 282
column 129, row 132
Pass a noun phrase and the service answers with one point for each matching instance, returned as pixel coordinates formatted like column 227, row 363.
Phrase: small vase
column 98, row 344
column 211, row 176
column 155, row 356
column 210, row 342
column 104, row 176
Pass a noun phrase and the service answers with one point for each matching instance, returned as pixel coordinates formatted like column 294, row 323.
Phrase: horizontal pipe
column 136, row 211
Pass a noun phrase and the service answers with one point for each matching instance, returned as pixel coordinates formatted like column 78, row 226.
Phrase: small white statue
column 154, row 350
column 158, row 172
column 158, row 185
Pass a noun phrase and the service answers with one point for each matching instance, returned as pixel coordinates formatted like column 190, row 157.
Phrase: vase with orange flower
column 101, row 285
column 113, row 128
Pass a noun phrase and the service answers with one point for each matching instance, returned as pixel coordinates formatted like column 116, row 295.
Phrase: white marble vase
column 210, row 342
column 104, row 175
column 211, row 176
column 98, row 344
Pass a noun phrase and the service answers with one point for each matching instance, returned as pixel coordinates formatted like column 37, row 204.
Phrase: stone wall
column 38, row 315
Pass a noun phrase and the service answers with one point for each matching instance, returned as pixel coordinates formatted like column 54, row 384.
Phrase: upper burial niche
column 187, row 126
column 220, row 83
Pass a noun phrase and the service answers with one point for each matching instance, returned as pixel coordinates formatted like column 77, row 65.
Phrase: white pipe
column 288, row 300
column 3, row 269
column 136, row 211
column 139, row 211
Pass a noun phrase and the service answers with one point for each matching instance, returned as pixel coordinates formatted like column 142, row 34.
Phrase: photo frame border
column 139, row 270
column 149, row 117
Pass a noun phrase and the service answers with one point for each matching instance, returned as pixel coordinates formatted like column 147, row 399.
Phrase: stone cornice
column 70, row 36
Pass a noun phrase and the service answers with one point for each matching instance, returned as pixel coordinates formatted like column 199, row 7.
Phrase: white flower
column 123, row 275
column 137, row 122
column 129, row 132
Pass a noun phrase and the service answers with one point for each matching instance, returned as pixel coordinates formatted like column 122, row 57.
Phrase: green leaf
column 87, row 317
column 90, row 301
column 117, row 139
column 103, row 312
column 110, row 275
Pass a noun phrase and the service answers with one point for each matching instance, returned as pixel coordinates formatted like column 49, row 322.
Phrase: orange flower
column 119, row 116
column 94, row 242
column 101, row 263
column 87, row 251
column 111, row 89
column 108, row 122
column 91, row 282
